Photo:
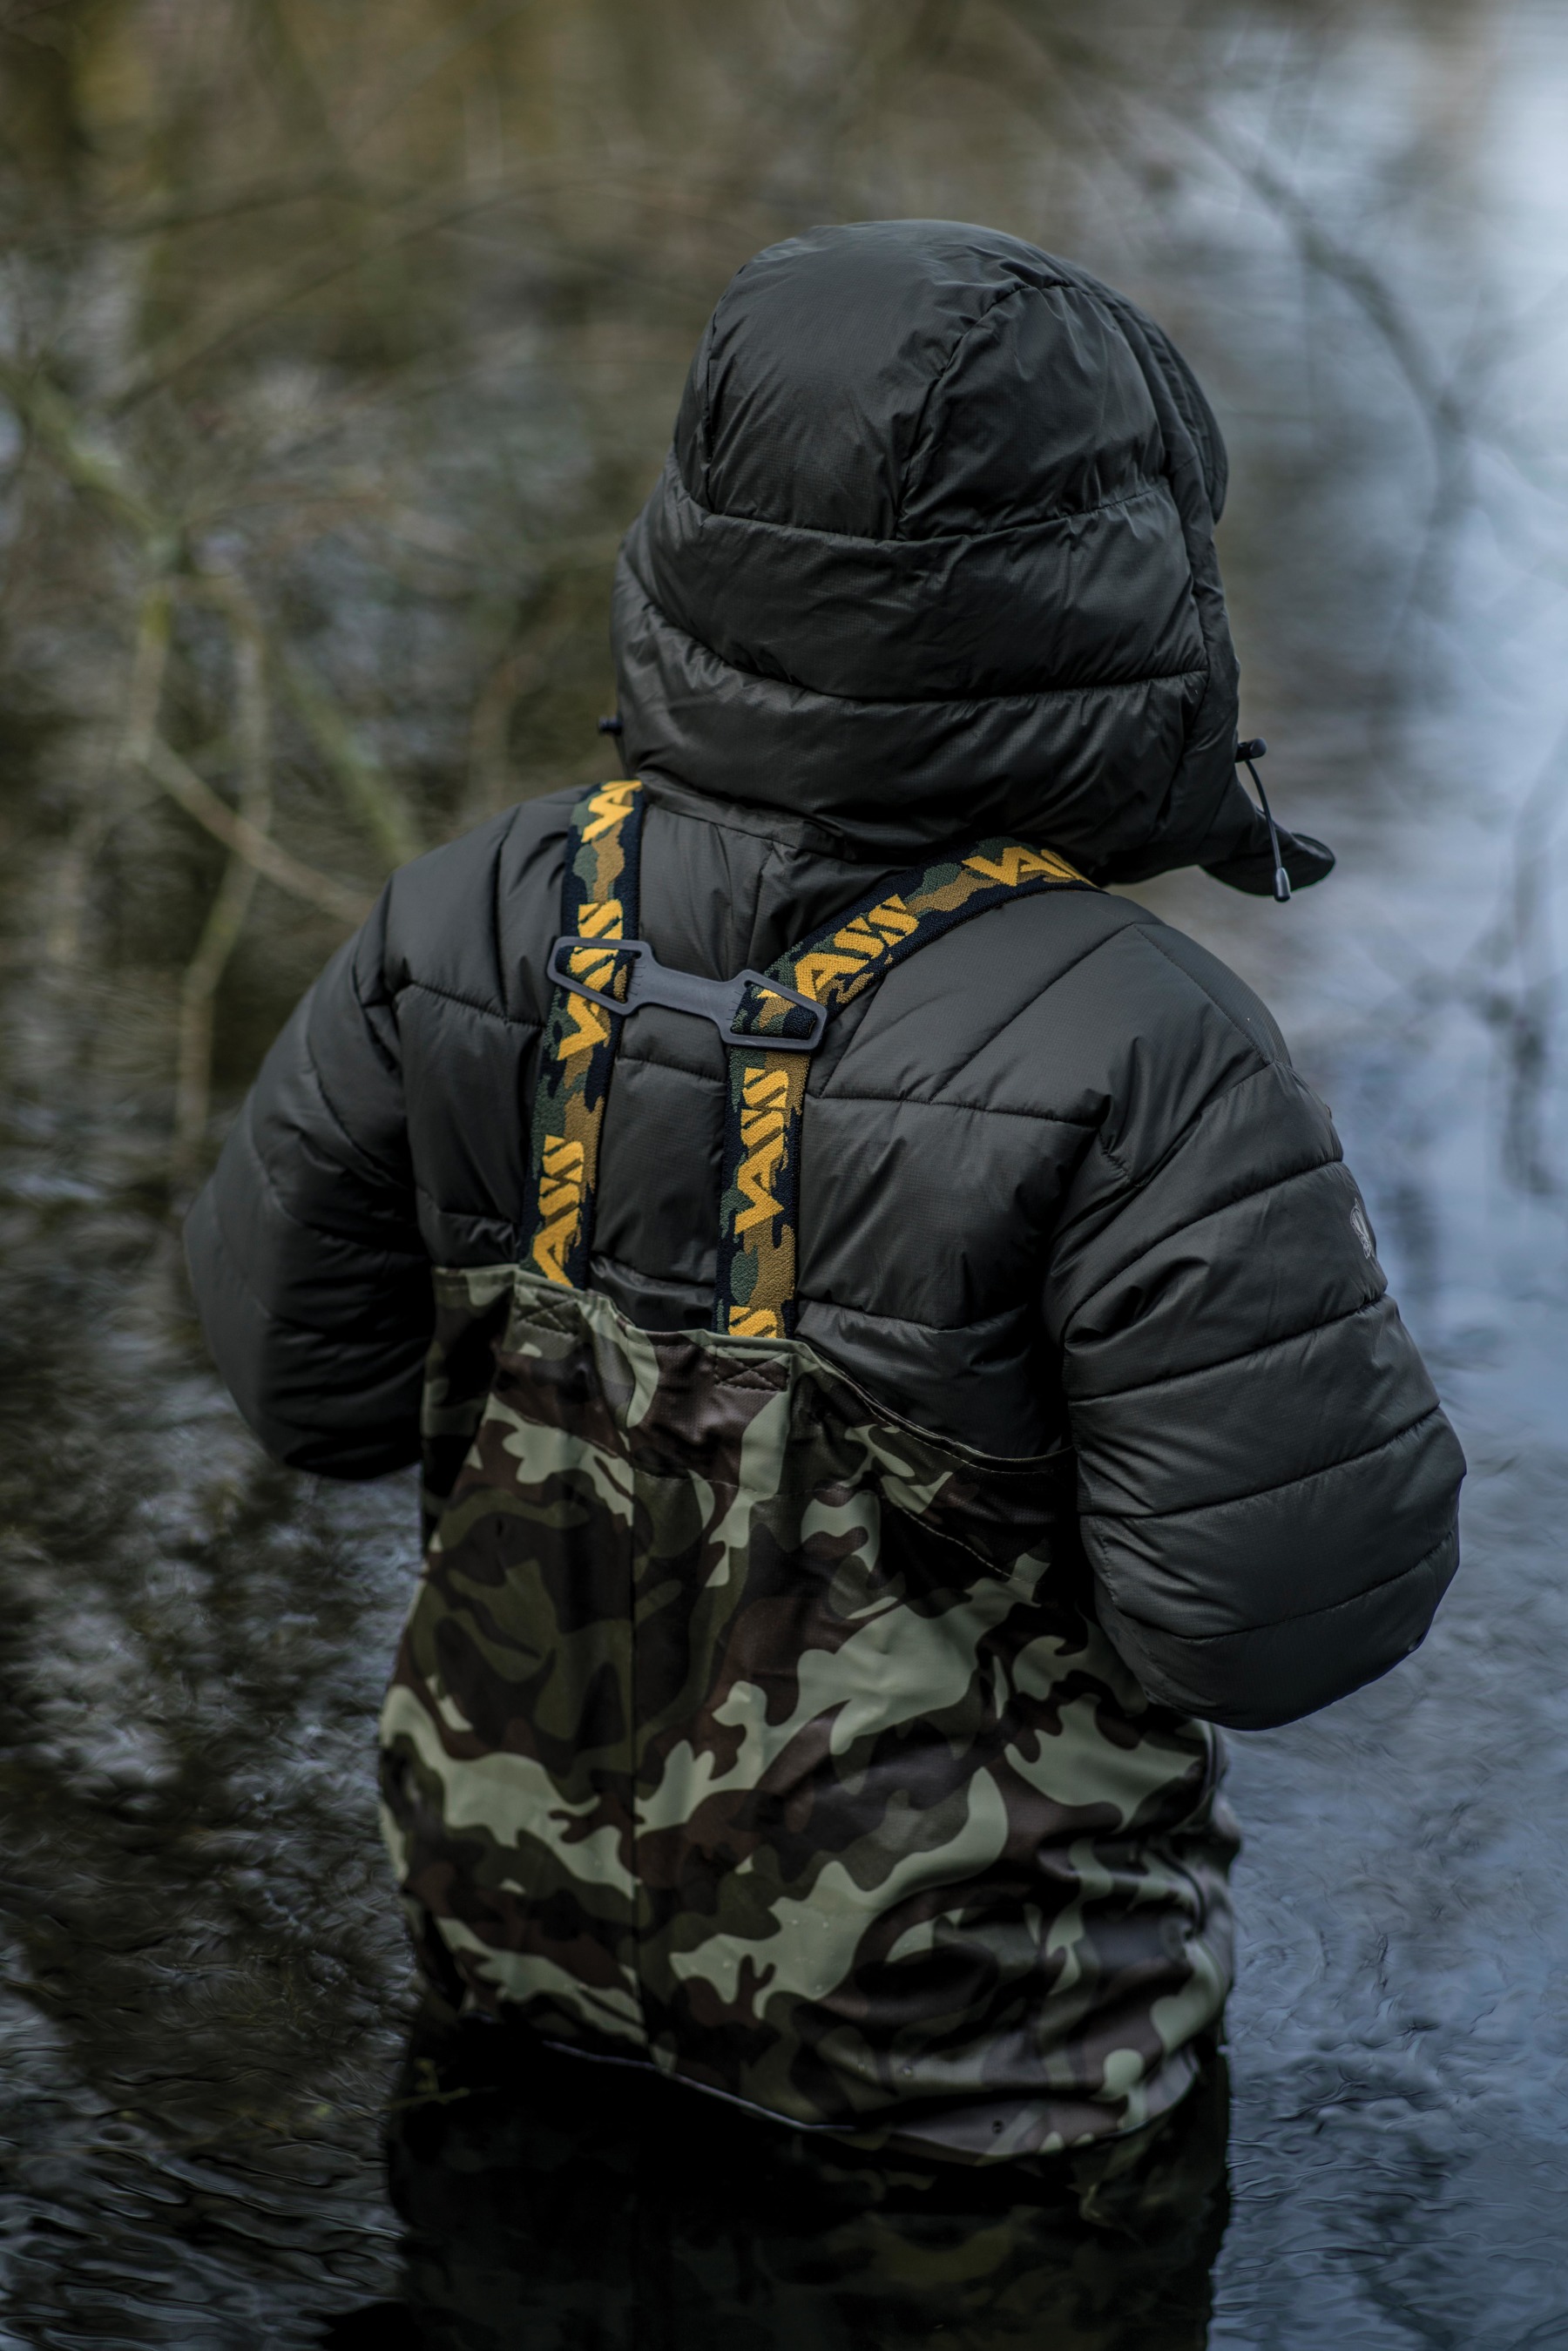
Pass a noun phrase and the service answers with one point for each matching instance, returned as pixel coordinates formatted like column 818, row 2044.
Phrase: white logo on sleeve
column 1362, row 1229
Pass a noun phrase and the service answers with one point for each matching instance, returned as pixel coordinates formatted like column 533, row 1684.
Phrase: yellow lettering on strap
column 591, row 1027
column 609, row 807
column 754, row 1176
column 1016, row 860
column 816, row 972
column 599, row 920
column 758, row 1127
column 765, row 1089
column 851, row 950
column 892, row 918
column 856, row 940
column 561, row 1200
column 764, row 1098
column 756, row 1323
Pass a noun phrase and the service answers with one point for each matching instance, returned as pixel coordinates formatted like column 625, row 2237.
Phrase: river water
column 204, row 2003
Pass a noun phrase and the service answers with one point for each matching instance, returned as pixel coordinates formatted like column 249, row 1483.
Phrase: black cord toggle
column 1245, row 754
column 612, row 726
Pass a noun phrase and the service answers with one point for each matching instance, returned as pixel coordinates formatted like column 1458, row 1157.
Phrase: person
column 897, row 1353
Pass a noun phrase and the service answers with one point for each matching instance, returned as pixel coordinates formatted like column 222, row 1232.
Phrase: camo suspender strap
column 755, row 1293
column 598, row 963
column 577, row 1052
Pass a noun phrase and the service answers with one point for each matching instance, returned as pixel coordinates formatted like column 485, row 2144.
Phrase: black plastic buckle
column 717, row 1000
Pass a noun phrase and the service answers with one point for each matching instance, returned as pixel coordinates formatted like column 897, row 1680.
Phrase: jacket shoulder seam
column 1265, row 1060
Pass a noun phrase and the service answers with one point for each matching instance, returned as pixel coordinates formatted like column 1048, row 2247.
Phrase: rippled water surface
column 206, row 2008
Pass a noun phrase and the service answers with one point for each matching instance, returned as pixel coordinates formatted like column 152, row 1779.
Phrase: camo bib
column 740, row 1728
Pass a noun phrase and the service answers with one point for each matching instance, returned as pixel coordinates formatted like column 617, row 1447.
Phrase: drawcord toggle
column 1245, row 754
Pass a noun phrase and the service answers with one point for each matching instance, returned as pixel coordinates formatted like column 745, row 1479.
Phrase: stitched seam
column 1269, row 1061
column 1201, row 1371
column 1147, row 487
column 1235, row 1201
column 469, row 1215
column 281, row 1209
column 905, row 1322
column 696, row 1290
column 627, row 1059
column 1263, row 1064
column 931, row 701
column 960, row 344
column 821, row 843
column 269, row 1314
column 384, row 1002
column 699, row 1292
column 827, row 1091
column 379, row 1181
column 450, row 996
column 1297, row 1616
column 1259, row 1493
column 646, row 1061
column 327, row 1104
column 1039, row 997
column 941, row 1102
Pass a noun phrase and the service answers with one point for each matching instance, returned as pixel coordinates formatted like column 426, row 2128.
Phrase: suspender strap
column 770, row 1021
column 577, row 1053
column 755, row 1293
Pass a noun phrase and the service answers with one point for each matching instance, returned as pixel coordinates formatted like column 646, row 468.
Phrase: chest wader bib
column 739, row 1727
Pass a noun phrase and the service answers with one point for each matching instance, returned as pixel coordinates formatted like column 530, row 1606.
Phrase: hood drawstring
column 1246, row 753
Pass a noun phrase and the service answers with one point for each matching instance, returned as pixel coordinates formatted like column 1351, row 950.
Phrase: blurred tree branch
column 226, row 920
column 369, row 791
column 239, row 833
column 277, row 313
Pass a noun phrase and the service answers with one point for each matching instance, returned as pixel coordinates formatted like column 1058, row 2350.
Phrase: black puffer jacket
column 933, row 558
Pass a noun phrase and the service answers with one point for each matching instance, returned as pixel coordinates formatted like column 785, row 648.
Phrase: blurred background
column 338, row 343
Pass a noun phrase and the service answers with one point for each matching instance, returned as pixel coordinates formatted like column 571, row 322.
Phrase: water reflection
column 556, row 2203
column 202, row 1988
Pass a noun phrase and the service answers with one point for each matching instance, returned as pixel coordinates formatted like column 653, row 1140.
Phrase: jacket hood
column 933, row 556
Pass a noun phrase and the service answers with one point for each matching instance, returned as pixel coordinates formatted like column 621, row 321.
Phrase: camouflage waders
column 585, row 2214
column 740, row 1728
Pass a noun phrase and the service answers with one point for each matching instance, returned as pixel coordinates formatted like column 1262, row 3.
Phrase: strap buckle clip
column 718, row 1000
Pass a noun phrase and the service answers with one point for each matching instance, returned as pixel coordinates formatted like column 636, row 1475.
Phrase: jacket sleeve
column 310, row 1279
column 1268, row 1484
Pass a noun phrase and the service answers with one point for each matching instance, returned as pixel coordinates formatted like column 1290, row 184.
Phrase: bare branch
column 226, row 920
column 1324, row 253
column 489, row 782
column 87, row 466
column 371, row 793
column 91, row 828
column 423, row 63
column 207, row 336
column 198, row 799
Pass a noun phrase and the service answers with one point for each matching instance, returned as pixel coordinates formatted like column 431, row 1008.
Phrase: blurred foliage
column 338, row 344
